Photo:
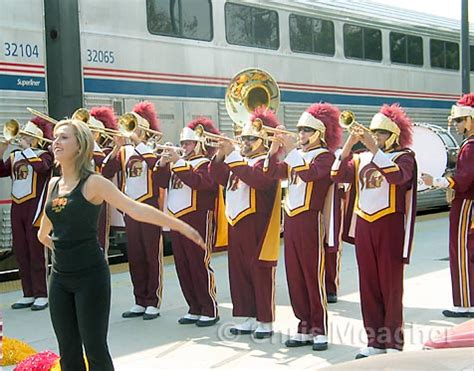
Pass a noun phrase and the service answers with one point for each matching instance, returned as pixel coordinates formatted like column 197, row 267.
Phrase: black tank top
column 74, row 219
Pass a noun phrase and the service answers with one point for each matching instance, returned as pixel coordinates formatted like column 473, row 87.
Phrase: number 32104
column 11, row 49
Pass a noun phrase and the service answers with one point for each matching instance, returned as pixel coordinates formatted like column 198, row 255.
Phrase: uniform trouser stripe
column 463, row 257
column 321, row 275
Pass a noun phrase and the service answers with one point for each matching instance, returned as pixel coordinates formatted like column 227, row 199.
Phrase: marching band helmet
column 464, row 107
column 103, row 117
column 260, row 117
column 39, row 127
column 191, row 132
column 394, row 120
column 324, row 119
column 148, row 117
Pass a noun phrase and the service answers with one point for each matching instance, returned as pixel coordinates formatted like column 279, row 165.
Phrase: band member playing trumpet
column 384, row 179
column 102, row 118
column 461, row 216
column 308, row 172
column 30, row 170
column 192, row 197
column 145, row 256
column 253, row 212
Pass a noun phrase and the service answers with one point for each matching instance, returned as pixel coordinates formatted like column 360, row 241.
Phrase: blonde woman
column 80, row 280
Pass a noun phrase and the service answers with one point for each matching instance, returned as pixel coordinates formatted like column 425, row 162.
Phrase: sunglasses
column 306, row 129
column 249, row 139
column 458, row 120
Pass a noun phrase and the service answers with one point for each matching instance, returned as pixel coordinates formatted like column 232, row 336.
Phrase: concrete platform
column 163, row 344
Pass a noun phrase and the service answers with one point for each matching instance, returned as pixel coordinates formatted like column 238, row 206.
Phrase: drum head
column 430, row 152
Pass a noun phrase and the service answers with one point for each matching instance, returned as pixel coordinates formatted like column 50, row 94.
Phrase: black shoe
column 149, row 316
column 130, row 314
column 320, row 346
column 332, row 298
column 263, row 334
column 292, row 343
column 187, row 321
column 21, row 305
column 237, row 331
column 36, row 307
column 452, row 314
column 211, row 322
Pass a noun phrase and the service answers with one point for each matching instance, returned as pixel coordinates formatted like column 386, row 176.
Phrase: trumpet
column 165, row 147
column 211, row 140
column 347, row 121
column 11, row 131
column 130, row 121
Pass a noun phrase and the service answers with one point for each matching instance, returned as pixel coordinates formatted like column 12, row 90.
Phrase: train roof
column 369, row 12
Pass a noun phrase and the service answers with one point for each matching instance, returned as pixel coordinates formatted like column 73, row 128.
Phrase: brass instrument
column 249, row 89
column 165, row 147
column 212, row 140
column 42, row 115
column 11, row 131
column 347, row 121
column 130, row 121
column 83, row 115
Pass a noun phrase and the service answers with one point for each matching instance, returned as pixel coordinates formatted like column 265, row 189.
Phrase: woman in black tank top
column 80, row 280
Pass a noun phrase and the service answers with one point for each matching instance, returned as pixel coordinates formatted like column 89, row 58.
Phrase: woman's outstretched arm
column 99, row 189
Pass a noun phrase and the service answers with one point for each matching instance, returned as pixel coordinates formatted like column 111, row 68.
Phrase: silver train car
column 180, row 54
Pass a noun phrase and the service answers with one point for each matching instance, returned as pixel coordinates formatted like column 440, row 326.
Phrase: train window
column 362, row 42
column 406, row 49
column 188, row 19
column 311, row 35
column 444, row 54
column 251, row 26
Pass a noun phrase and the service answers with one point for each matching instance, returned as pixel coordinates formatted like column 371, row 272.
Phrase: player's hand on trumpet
column 225, row 147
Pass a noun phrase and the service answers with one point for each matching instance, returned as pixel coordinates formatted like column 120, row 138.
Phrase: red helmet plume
column 267, row 116
column 148, row 112
column 329, row 116
column 395, row 113
column 466, row 100
column 45, row 126
column 105, row 115
column 206, row 123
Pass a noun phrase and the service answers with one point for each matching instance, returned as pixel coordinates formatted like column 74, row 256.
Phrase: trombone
column 347, row 121
column 11, row 131
column 130, row 121
column 83, row 115
column 42, row 115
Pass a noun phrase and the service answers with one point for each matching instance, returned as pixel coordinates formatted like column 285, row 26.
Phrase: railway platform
column 163, row 344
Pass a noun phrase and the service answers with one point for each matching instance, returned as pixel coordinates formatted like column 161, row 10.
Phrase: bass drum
column 436, row 151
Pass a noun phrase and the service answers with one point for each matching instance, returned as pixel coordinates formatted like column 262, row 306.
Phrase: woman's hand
column 189, row 232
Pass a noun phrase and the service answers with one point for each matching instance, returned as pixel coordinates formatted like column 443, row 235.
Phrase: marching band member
column 192, row 197
column 308, row 170
column 253, row 212
column 30, row 170
column 461, row 217
column 101, row 118
column 145, row 256
column 385, row 181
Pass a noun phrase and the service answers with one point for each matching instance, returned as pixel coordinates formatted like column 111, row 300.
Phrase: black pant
column 80, row 307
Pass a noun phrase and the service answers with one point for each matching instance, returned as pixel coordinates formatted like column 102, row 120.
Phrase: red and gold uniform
column 461, row 216
column 191, row 197
column 307, row 233
column 30, row 170
column 385, row 200
column 252, row 200
column 145, row 256
column 101, row 118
